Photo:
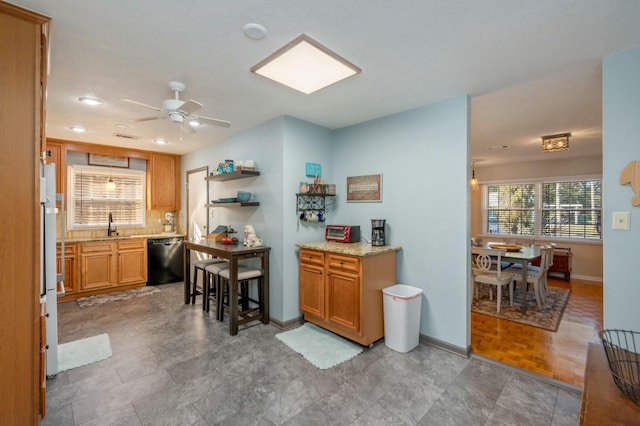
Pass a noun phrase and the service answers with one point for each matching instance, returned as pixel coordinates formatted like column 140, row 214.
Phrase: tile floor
column 172, row 364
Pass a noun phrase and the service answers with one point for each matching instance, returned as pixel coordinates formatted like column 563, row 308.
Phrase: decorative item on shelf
column 244, row 196
column 221, row 168
column 229, row 166
column 250, row 237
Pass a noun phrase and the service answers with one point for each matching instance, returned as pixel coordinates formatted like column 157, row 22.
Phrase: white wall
column 621, row 144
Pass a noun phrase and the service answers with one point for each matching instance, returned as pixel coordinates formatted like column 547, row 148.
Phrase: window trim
column 537, row 207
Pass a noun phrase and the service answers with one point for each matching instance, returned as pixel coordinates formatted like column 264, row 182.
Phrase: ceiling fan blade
column 213, row 121
column 131, row 101
column 157, row 117
column 190, row 106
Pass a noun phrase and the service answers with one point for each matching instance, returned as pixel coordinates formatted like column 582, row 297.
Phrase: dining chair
column 536, row 275
column 487, row 269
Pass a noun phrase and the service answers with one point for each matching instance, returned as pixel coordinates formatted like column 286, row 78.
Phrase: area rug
column 99, row 299
column 548, row 317
column 320, row 347
column 83, row 352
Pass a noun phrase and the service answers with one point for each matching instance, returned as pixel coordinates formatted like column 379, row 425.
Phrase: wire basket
column 622, row 348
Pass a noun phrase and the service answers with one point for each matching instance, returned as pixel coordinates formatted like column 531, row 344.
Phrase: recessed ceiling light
column 305, row 65
column 161, row 141
column 78, row 129
column 90, row 101
column 254, row 31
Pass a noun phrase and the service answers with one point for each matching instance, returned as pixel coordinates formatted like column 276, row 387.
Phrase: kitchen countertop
column 120, row 237
column 354, row 249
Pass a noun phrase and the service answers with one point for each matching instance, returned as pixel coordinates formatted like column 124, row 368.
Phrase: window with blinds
column 572, row 209
column 511, row 209
column 558, row 209
column 90, row 201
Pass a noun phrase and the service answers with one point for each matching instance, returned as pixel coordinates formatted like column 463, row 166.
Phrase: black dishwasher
column 165, row 260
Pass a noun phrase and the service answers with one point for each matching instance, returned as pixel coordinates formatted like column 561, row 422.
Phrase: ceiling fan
column 179, row 111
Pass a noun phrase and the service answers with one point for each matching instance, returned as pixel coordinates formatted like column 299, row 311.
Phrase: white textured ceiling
column 531, row 67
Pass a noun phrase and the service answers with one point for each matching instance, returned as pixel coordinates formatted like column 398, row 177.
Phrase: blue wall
column 423, row 157
column 621, row 144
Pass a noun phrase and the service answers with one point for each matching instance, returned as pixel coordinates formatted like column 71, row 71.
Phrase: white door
column 197, row 211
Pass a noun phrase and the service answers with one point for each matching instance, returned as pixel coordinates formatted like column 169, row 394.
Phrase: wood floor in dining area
column 560, row 355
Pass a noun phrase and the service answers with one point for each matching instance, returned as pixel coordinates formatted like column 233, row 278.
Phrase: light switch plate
column 621, row 221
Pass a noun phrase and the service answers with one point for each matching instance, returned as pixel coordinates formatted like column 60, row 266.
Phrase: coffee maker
column 377, row 232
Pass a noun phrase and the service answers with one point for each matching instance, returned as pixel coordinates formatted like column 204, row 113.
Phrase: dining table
column 233, row 253
column 523, row 255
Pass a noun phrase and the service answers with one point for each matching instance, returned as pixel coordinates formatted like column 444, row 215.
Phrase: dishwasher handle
column 165, row 241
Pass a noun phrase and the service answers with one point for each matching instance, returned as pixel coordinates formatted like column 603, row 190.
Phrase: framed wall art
column 108, row 160
column 364, row 189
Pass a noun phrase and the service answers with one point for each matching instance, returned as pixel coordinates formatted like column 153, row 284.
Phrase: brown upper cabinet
column 164, row 182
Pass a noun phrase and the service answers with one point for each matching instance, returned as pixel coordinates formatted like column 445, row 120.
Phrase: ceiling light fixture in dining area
column 555, row 143
column 305, row 65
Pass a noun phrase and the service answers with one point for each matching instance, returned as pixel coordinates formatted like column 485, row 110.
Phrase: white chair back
column 487, row 261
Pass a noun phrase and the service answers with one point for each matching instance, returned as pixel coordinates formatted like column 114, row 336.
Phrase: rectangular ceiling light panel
column 305, row 65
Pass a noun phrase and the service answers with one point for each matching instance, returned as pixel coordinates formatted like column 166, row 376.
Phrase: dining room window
column 565, row 208
column 91, row 199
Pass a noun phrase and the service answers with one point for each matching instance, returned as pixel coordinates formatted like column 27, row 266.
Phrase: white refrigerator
column 50, row 290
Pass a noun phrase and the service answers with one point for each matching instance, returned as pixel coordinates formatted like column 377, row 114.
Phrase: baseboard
column 586, row 278
column 286, row 325
column 465, row 352
column 533, row 375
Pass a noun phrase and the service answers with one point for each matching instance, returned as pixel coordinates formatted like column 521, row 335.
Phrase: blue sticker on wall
column 312, row 169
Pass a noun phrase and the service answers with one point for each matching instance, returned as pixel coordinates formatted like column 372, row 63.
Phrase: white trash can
column 402, row 304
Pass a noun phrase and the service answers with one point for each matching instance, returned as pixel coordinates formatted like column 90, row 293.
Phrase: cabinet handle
column 341, row 263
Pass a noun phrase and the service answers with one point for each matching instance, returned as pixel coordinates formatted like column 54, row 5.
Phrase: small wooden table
column 524, row 257
column 602, row 402
column 233, row 253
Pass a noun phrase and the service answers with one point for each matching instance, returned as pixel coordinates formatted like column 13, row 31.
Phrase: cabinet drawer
column 132, row 244
column 96, row 247
column 69, row 249
column 344, row 263
column 311, row 257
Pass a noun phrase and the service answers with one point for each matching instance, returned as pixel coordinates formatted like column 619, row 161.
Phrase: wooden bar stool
column 249, row 309
column 200, row 265
column 211, row 285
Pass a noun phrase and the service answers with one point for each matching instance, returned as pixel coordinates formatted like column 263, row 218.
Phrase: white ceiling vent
column 125, row 136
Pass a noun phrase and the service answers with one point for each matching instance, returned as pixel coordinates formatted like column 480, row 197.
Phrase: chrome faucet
column 111, row 231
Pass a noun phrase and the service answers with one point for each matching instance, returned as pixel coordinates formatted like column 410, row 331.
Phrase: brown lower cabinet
column 103, row 266
column 343, row 293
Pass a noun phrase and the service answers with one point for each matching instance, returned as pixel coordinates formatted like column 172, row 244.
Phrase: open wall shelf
column 238, row 174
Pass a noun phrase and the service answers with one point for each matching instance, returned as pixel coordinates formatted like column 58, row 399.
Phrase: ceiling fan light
column 194, row 122
column 78, row 129
column 161, row 141
column 90, row 101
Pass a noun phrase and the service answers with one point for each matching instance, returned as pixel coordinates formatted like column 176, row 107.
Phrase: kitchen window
column 570, row 209
column 90, row 201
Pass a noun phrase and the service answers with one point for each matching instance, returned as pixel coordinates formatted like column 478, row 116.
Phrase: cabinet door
column 97, row 265
column 57, row 158
column 132, row 267
column 344, row 299
column 165, row 172
column 312, row 290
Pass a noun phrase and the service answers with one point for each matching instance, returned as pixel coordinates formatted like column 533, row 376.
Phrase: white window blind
column 569, row 209
column 90, row 202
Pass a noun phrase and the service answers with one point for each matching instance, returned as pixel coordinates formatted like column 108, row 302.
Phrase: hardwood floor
column 560, row 355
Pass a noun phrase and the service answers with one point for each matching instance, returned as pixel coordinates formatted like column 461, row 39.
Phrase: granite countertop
column 354, row 249
column 120, row 237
